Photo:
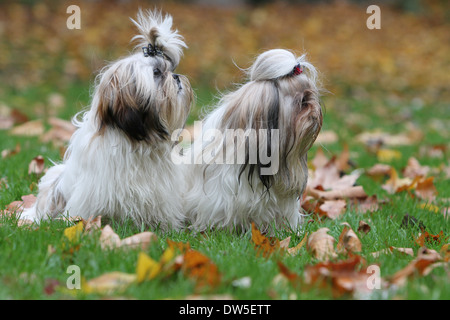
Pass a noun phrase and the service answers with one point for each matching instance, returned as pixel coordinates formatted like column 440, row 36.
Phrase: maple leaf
column 200, row 268
column 264, row 246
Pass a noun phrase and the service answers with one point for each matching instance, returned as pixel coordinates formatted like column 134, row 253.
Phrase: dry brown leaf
column 36, row 165
column 348, row 240
column 333, row 208
column 414, row 169
column 390, row 250
column 110, row 240
column 92, row 224
column 18, row 206
column 351, row 192
column 344, row 277
column 109, row 283
column 363, row 227
column 426, row 190
column 264, row 245
column 321, row 245
column 30, row 128
column 419, row 266
column 295, row 250
column 319, row 160
column 363, row 205
column 326, row 137
column 8, row 152
column 379, row 170
column 200, row 268
column 426, row 237
column 394, row 183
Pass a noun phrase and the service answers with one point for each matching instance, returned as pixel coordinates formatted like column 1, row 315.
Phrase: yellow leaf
column 387, row 155
column 168, row 255
column 73, row 234
column 295, row 250
column 147, row 268
column 429, row 207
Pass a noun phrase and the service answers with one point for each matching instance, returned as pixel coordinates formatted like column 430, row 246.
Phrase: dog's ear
column 122, row 107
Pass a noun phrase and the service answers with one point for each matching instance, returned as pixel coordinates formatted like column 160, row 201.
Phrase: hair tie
column 297, row 70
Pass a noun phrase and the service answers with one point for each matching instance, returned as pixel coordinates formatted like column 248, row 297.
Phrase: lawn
column 34, row 259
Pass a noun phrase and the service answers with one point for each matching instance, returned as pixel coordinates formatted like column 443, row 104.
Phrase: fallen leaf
column 390, row 250
column 110, row 240
column 394, row 183
column 416, row 267
column 379, row 170
column 426, row 190
column 18, row 206
column 425, row 238
column 92, row 224
column 388, row 155
column 445, row 252
column 200, row 268
column 363, row 227
column 146, row 268
column 264, row 246
column 36, row 165
column 73, row 234
column 414, row 169
column 295, row 250
column 351, row 192
column 363, row 205
column 333, row 208
column 30, row 128
column 109, row 283
column 321, row 245
column 8, row 152
column 348, row 240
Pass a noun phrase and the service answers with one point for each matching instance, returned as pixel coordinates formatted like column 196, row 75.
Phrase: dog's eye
column 156, row 72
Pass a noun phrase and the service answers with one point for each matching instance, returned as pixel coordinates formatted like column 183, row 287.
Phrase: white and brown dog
column 118, row 161
column 249, row 163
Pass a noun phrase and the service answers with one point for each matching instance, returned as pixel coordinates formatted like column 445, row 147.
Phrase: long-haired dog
column 250, row 162
column 118, row 161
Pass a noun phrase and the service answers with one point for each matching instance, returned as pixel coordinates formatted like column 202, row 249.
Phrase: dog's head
column 282, row 98
column 141, row 95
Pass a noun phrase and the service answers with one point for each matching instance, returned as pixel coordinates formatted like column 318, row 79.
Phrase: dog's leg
column 50, row 201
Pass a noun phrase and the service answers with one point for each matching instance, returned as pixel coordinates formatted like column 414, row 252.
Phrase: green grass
column 27, row 265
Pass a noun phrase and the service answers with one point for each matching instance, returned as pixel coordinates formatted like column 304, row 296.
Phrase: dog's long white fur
column 224, row 196
column 104, row 172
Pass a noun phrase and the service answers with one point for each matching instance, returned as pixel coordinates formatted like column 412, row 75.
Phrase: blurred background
column 47, row 69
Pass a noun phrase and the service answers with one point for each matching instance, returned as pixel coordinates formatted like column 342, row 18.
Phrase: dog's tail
column 156, row 29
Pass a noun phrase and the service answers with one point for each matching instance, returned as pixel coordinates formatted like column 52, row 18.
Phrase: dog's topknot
column 156, row 29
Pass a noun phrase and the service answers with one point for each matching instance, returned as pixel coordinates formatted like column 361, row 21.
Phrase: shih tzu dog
column 249, row 163
column 118, row 161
